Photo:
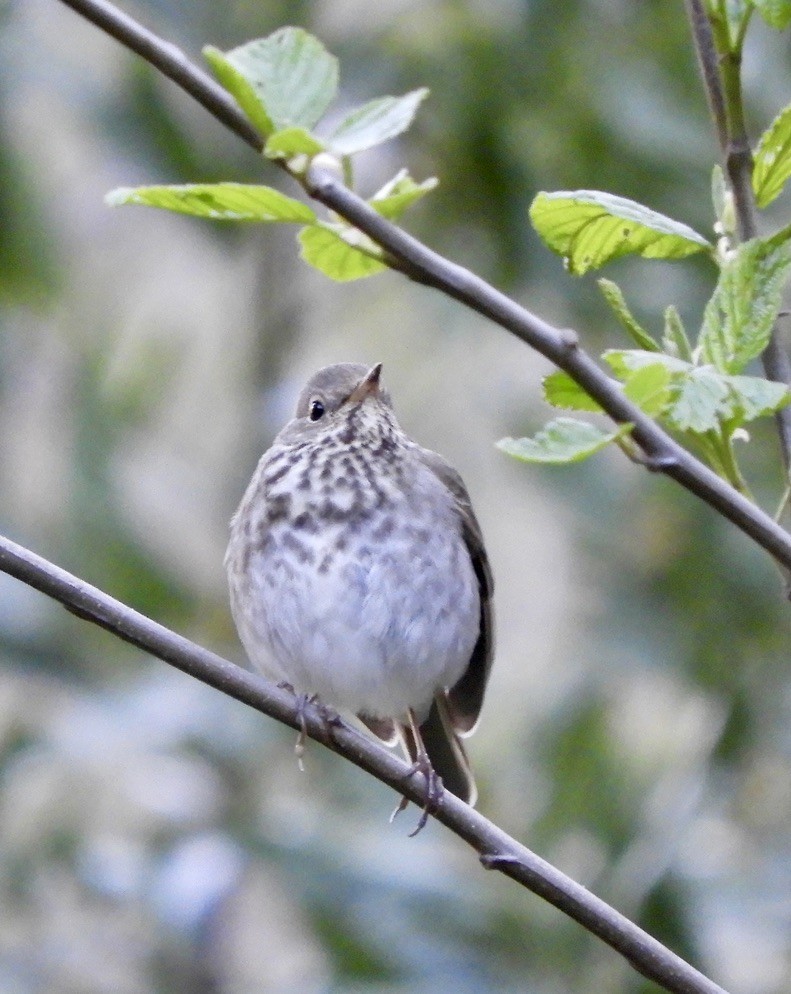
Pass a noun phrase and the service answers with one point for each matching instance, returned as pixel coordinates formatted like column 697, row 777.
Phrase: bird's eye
column 316, row 410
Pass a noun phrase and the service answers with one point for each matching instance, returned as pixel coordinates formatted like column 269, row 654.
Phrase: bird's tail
column 445, row 751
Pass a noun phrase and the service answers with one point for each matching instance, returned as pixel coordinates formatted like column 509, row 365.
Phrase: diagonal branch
column 423, row 265
column 497, row 850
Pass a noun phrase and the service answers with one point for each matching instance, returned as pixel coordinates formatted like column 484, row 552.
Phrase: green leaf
column 613, row 294
column 776, row 13
column 560, row 390
column 650, row 388
column 292, row 142
column 674, row 339
column 399, row 193
column 376, row 122
column 702, row 402
column 773, row 159
column 739, row 317
column 624, row 362
column 755, row 397
column 693, row 398
column 708, row 400
column 563, row 440
column 329, row 250
column 590, row 228
column 292, row 76
column 217, row 201
column 240, row 88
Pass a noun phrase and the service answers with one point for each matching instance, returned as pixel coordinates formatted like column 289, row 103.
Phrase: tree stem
column 720, row 59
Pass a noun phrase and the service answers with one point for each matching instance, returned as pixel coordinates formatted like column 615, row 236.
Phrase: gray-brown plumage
column 357, row 573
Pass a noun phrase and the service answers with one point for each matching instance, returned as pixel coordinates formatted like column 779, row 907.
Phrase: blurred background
column 156, row 836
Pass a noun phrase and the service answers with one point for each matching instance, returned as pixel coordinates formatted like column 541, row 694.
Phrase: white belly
column 375, row 627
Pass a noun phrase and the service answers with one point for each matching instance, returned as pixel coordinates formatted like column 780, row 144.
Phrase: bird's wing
column 465, row 698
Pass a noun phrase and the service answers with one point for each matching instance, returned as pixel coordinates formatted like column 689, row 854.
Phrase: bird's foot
column 403, row 804
column 302, row 735
column 329, row 717
column 434, row 792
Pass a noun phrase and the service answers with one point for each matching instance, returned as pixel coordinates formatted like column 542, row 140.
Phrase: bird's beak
column 368, row 386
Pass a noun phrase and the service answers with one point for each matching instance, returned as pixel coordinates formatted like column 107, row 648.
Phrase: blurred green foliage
column 158, row 837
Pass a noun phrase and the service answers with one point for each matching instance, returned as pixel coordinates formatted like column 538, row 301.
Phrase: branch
column 720, row 61
column 709, row 63
column 421, row 264
column 662, row 452
column 497, row 850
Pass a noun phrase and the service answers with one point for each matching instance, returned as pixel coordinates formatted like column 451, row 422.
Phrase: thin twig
column 721, row 70
column 709, row 66
column 497, row 849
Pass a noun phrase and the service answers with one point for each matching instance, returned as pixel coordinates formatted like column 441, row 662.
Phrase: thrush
column 358, row 574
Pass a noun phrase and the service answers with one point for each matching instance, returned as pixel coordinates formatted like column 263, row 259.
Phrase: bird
column 358, row 576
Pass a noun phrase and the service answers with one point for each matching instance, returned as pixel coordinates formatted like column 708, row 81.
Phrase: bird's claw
column 434, row 792
column 299, row 746
column 329, row 717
